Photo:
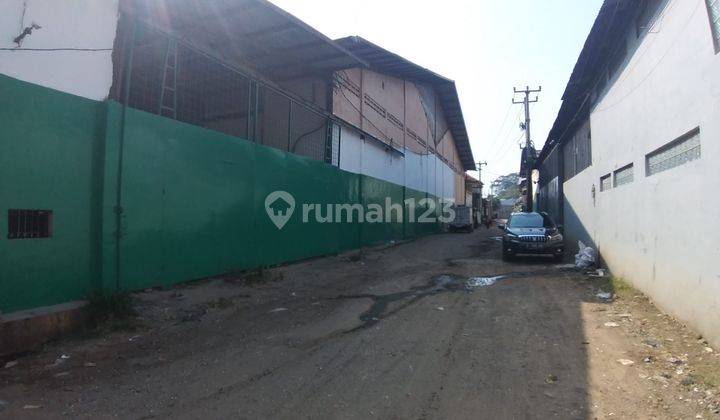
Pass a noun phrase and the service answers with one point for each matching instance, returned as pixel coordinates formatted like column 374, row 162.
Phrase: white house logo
column 280, row 206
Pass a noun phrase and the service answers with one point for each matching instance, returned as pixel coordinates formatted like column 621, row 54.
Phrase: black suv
column 532, row 234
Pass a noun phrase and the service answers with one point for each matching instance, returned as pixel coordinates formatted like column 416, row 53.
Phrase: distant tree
column 507, row 186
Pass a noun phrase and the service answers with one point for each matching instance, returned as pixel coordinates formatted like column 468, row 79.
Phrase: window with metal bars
column 624, row 175
column 606, row 182
column 29, row 224
column 714, row 13
column 679, row 152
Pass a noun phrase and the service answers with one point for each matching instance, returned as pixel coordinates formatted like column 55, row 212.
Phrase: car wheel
column 507, row 256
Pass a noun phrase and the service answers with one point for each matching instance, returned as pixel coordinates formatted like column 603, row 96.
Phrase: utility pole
column 528, row 151
column 480, row 165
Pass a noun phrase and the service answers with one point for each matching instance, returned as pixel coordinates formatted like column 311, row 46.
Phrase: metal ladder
column 168, row 94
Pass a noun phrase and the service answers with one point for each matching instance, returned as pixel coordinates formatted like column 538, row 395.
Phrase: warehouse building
column 141, row 139
column 629, row 163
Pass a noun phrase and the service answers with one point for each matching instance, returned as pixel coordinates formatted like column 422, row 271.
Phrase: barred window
column 714, row 11
column 624, row 175
column 606, row 182
column 29, row 224
column 678, row 152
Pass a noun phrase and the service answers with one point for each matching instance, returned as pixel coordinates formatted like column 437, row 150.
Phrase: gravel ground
column 393, row 332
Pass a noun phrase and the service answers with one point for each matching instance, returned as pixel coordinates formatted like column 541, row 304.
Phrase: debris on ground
column 89, row 364
column 278, row 310
column 586, row 257
column 626, row 362
column 551, row 379
column 440, row 308
column 442, row 282
column 604, row 295
column 650, row 342
column 11, row 364
column 32, row 407
column 612, row 324
column 475, row 282
column 564, row 266
column 599, row 273
column 59, row 361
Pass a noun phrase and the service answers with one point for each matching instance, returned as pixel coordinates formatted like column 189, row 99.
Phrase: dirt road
column 387, row 333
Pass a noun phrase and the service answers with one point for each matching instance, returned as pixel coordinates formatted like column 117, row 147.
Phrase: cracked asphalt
column 391, row 332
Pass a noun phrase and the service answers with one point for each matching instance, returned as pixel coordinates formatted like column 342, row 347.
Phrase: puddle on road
column 475, row 282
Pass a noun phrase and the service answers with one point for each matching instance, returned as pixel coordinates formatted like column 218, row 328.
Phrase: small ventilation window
column 29, row 224
column 606, row 182
column 679, row 152
column 624, row 175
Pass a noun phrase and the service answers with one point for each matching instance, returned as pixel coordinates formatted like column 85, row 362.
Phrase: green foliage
column 507, row 186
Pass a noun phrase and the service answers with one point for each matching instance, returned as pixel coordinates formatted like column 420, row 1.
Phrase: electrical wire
column 647, row 76
column 502, row 126
column 509, row 148
column 504, row 142
column 637, row 59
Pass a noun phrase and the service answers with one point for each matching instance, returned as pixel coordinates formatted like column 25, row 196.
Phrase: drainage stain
column 441, row 284
column 379, row 308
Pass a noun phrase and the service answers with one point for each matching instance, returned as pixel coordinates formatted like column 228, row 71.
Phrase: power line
column 503, row 143
column 502, row 126
column 652, row 70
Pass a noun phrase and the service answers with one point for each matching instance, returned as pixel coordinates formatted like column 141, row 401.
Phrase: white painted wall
column 660, row 232
column 65, row 24
column 425, row 173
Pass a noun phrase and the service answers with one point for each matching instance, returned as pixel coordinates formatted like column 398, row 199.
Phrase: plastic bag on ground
column 586, row 257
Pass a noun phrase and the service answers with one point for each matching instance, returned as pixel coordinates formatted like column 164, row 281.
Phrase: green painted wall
column 191, row 201
column 50, row 149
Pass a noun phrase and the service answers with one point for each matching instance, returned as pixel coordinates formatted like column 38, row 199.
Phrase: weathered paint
column 399, row 100
column 191, row 202
column 71, row 52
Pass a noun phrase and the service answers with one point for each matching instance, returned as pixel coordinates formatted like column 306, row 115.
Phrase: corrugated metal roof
column 609, row 26
column 395, row 65
column 255, row 32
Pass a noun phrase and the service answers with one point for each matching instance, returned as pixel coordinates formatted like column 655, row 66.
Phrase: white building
column 629, row 165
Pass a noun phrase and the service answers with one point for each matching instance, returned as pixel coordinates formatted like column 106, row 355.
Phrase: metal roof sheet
column 609, row 26
column 255, row 32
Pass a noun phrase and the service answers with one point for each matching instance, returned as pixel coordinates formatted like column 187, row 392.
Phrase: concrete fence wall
column 141, row 201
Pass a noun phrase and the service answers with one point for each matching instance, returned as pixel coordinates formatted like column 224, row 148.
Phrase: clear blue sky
column 486, row 46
